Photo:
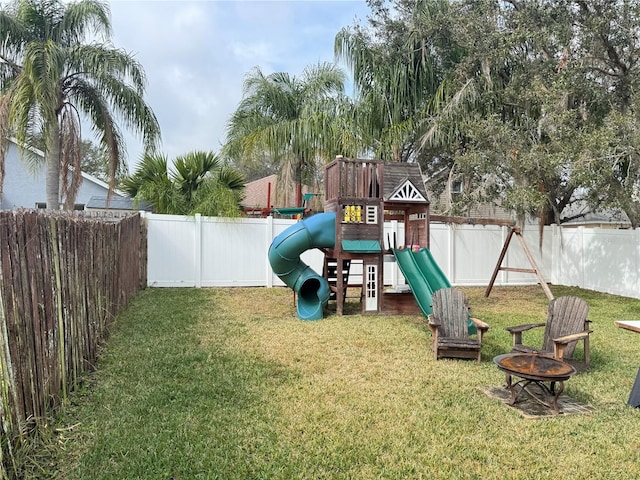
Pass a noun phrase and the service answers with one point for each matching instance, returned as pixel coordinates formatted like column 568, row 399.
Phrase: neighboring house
column 263, row 194
column 441, row 204
column 259, row 195
column 579, row 214
column 24, row 189
column 117, row 203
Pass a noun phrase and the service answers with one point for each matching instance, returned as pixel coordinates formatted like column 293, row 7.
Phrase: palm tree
column 397, row 66
column 294, row 120
column 52, row 81
column 198, row 183
column 151, row 183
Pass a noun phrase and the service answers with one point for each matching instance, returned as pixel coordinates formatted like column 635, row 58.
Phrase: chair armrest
column 524, row 328
column 480, row 325
column 433, row 324
column 560, row 343
column 516, row 332
column 572, row 338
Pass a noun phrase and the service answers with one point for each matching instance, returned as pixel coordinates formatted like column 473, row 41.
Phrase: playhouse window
column 372, row 214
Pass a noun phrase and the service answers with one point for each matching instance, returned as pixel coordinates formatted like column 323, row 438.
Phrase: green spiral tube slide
column 317, row 231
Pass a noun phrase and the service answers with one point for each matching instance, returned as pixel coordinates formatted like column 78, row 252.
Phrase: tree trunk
column 633, row 213
column 52, row 159
column 298, row 178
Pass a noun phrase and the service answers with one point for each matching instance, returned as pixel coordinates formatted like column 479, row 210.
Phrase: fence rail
column 63, row 278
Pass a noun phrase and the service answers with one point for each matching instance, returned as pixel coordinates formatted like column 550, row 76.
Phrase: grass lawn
column 229, row 384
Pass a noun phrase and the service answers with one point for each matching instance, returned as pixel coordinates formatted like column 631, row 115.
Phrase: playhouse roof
column 403, row 181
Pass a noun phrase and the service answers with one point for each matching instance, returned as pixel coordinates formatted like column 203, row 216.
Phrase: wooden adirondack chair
column 566, row 324
column 449, row 324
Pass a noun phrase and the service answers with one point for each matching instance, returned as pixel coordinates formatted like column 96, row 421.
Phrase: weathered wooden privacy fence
column 63, row 278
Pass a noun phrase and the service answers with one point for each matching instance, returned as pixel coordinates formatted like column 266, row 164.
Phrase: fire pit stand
column 537, row 369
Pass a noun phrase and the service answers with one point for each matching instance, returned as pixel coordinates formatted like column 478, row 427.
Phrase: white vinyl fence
column 196, row 251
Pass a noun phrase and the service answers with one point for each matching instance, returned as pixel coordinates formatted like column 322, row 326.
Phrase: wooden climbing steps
column 331, row 274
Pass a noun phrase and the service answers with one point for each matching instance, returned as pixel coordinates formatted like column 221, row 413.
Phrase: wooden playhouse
column 364, row 194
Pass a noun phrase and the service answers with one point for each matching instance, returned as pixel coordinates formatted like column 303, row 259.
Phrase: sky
column 196, row 55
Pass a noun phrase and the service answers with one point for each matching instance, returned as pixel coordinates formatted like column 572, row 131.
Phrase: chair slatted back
column 450, row 309
column 567, row 315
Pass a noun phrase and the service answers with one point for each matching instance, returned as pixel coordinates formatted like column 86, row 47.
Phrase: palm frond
column 83, row 18
column 98, row 61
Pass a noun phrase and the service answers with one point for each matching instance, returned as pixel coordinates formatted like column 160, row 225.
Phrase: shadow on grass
column 164, row 405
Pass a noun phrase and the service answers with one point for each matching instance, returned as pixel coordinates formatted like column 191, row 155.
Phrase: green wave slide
column 424, row 276
column 317, row 231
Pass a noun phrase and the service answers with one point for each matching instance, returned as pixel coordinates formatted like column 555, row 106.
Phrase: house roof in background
column 256, row 192
column 117, row 202
column 585, row 216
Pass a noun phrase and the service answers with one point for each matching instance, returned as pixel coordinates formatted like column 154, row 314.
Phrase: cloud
column 197, row 53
